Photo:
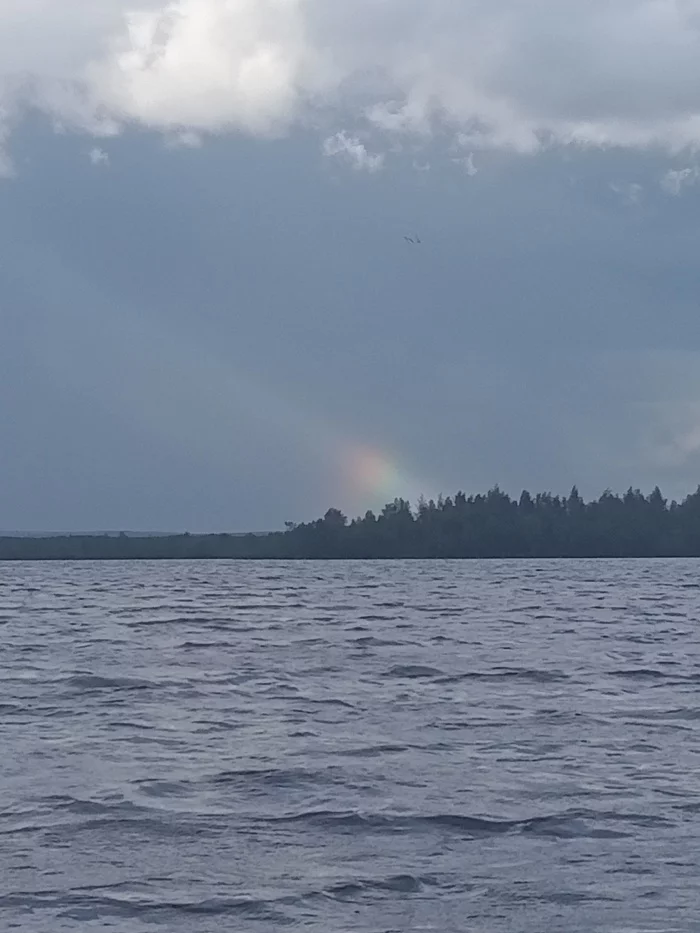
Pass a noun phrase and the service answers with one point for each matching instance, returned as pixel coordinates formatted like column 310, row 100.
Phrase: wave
column 426, row 672
column 640, row 673
column 98, row 901
column 61, row 818
column 85, row 807
column 399, row 884
column 414, row 671
column 370, row 751
column 533, row 675
column 670, row 678
column 86, row 907
column 87, row 683
column 371, row 641
column 192, row 645
column 274, row 777
column 567, row 825
column 157, row 824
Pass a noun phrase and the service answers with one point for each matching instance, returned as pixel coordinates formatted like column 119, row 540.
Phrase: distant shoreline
column 482, row 527
column 164, row 559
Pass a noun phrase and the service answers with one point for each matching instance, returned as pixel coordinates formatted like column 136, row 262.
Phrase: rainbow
column 373, row 478
column 197, row 398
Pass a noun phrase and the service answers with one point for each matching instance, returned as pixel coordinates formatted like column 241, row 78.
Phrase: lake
column 368, row 747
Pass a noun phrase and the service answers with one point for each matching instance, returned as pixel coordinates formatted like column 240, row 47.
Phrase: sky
column 210, row 318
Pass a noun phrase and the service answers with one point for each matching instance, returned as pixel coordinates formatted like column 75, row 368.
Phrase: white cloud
column 185, row 140
column 207, row 65
column 6, row 166
column 675, row 180
column 511, row 74
column 629, row 191
column 468, row 164
column 98, row 156
column 353, row 151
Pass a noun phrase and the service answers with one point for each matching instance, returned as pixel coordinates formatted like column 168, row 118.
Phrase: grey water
column 350, row 748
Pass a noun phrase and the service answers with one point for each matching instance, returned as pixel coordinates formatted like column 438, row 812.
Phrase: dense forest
column 482, row 526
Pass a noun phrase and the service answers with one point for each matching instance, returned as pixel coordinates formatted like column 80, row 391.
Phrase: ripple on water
column 366, row 747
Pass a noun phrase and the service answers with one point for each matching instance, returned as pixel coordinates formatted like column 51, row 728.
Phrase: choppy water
column 376, row 748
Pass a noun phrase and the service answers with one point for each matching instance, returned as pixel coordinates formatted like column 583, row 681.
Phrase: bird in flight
column 415, row 240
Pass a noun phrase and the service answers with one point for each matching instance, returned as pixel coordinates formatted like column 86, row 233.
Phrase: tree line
column 493, row 525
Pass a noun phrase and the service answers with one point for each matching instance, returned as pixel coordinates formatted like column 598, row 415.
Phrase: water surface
column 370, row 748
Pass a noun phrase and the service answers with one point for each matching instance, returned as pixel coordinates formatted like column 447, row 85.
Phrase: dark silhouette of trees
column 480, row 526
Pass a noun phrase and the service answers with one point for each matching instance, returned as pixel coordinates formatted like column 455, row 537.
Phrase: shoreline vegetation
column 489, row 526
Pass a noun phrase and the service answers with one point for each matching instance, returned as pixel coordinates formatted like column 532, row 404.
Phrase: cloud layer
column 513, row 74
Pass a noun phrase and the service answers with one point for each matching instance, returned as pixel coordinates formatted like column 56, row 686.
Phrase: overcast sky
column 210, row 318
